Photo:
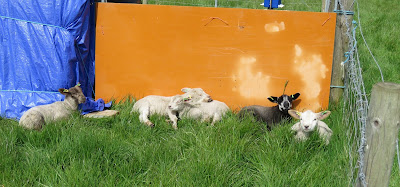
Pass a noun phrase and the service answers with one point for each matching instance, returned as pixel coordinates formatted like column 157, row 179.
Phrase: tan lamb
column 36, row 117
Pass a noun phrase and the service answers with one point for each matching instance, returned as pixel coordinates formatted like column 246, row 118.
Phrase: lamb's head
column 309, row 119
column 178, row 102
column 284, row 101
column 74, row 92
column 196, row 94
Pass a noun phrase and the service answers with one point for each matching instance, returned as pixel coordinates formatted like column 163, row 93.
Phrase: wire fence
column 355, row 110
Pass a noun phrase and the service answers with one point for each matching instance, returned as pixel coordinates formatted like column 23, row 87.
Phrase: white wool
column 310, row 122
column 205, row 111
column 154, row 104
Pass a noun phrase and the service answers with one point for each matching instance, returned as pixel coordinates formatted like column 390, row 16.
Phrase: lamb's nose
column 306, row 127
column 286, row 105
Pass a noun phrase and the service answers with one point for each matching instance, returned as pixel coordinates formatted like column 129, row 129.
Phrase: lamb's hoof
column 150, row 124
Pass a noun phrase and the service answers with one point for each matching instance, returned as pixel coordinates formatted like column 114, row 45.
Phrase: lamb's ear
column 324, row 114
column 187, row 99
column 185, row 89
column 295, row 114
column 295, row 96
column 64, row 91
column 273, row 99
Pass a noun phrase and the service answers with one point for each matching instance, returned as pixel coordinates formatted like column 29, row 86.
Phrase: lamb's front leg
column 216, row 118
column 301, row 136
column 144, row 117
column 174, row 119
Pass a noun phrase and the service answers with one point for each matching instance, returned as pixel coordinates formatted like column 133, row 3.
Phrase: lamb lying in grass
column 309, row 122
column 205, row 111
column 36, row 117
column 271, row 115
column 154, row 104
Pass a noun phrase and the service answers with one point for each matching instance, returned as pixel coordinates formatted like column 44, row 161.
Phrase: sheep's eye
column 315, row 119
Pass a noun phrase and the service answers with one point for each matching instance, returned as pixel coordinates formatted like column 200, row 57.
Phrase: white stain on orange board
column 274, row 27
column 312, row 70
column 250, row 82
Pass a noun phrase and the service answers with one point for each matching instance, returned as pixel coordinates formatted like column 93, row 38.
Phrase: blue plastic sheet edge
column 70, row 49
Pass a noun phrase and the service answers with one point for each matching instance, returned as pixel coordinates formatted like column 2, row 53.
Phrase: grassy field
column 122, row 152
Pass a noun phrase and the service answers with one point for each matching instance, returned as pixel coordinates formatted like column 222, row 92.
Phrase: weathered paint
column 238, row 56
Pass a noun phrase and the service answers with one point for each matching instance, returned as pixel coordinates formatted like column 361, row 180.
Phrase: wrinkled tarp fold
column 93, row 106
column 44, row 45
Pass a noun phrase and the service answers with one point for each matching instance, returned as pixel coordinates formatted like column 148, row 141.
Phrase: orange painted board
column 238, row 56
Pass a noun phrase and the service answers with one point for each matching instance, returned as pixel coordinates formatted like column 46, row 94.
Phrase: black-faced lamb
column 309, row 122
column 154, row 104
column 36, row 117
column 271, row 115
column 205, row 111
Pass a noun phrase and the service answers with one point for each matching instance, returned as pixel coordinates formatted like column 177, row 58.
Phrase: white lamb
column 154, row 104
column 309, row 122
column 214, row 110
column 36, row 117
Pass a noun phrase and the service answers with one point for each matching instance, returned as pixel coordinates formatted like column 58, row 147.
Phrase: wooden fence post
column 328, row 8
column 341, row 46
column 381, row 133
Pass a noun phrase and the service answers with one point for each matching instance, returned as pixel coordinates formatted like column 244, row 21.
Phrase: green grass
column 122, row 152
column 298, row 5
column 378, row 21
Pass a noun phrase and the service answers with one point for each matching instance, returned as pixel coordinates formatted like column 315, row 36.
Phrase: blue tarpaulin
column 44, row 45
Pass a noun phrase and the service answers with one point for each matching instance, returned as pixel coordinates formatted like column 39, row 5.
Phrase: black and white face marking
column 284, row 101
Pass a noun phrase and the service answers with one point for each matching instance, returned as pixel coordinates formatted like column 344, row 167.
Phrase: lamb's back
column 155, row 103
column 269, row 115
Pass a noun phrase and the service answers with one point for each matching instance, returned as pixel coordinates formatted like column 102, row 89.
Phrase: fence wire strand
column 355, row 108
column 355, row 101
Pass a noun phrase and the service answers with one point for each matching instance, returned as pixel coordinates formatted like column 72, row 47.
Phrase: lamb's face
column 75, row 92
column 176, row 103
column 196, row 94
column 308, row 120
column 284, row 101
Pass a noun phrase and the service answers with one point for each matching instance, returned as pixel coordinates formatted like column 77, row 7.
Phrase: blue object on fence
column 44, row 45
column 272, row 3
column 93, row 106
